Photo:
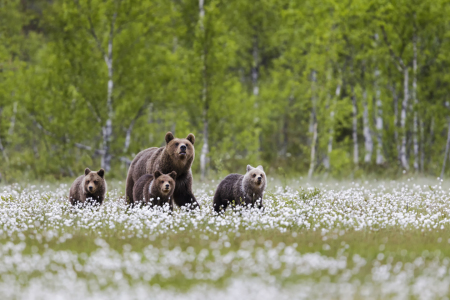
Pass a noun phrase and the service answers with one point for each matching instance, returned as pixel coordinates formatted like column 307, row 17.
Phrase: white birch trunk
column 379, row 121
column 205, row 147
column 128, row 137
column 415, row 102
column 395, row 98
column 107, row 129
column 355, row 129
column 255, row 73
column 379, row 113
column 314, row 125
column 313, row 150
column 327, row 160
column 368, row 142
column 205, row 151
column 403, row 158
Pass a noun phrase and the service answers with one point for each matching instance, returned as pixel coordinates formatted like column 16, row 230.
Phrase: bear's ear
column 87, row 171
column 249, row 168
column 260, row 167
column 157, row 174
column 191, row 138
column 101, row 173
column 169, row 137
column 173, row 174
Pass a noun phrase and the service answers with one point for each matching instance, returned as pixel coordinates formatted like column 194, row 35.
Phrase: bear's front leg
column 183, row 195
column 185, row 198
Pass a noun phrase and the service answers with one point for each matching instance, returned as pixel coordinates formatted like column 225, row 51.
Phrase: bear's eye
column 95, row 181
column 87, row 181
column 177, row 144
column 254, row 175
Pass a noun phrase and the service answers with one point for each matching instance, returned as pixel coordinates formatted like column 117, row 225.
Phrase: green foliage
column 260, row 73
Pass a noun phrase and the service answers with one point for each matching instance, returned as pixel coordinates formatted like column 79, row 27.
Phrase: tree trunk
column 327, row 160
column 430, row 143
column 415, row 102
column 447, row 147
column 128, row 137
column 1, row 144
column 403, row 158
column 13, row 119
column 284, row 144
column 107, row 129
column 255, row 72
column 314, row 125
column 205, row 151
column 368, row 142
column 205, row 147
column 355, row 129
column 396, row 137
column 422, row 148
column 379, row 121
column 313, row 150
column 139, row 113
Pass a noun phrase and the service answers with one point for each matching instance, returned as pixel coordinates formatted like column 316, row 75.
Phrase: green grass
column 235, row 242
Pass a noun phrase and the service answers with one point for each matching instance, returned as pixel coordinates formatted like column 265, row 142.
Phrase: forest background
column 344, row 89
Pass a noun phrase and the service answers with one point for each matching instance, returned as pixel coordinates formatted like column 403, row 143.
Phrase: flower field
column 371, row 240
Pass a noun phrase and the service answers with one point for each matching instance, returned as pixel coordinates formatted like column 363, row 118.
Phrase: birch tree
column 404, row 69
column 106, row 35
column 204, row 91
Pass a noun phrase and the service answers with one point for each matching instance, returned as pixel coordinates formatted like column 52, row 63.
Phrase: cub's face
column 180, row 149
column 164, row 183
column 93, row 180
column 256, row 175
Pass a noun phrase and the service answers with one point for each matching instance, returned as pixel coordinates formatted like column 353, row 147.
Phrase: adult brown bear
column 177, row 155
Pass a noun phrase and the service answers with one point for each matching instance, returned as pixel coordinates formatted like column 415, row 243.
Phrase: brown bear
column 245, row 189
column 177, row 155
column 156, row 189
column 91, row 186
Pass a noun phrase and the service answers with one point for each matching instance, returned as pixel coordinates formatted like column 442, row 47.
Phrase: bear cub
column 91, row 187
column 156, row 189
column 242, row 189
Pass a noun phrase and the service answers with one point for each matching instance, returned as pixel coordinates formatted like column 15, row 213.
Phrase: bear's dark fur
column 156, row 189
column 91, row 185
column 177, row 155
column 242, row 189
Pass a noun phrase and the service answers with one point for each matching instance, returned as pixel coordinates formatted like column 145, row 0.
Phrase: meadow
column 333, row 240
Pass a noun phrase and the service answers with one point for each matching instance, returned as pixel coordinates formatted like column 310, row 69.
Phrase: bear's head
column 256, row 176
column 163, row 184
column 180, row 150
column 94, row 181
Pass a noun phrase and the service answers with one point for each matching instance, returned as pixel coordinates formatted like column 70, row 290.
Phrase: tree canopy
column 347, row 88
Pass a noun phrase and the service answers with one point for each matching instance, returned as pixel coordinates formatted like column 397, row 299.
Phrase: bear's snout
column 91, row 188
column 183, row 148
column 167, row 186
